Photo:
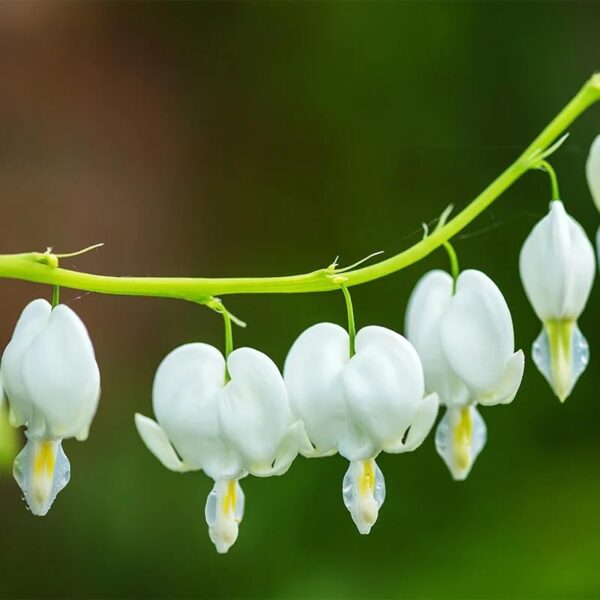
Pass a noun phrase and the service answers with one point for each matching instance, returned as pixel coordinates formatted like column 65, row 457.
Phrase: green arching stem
column 55, row 296
column 454, row 268
column 546, row 166
column 351, row 323
column 43, row 268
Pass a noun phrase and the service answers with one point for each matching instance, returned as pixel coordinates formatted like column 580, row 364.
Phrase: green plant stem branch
column 43, row 268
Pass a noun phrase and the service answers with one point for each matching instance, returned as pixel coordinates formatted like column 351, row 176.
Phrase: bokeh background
column 265, row 138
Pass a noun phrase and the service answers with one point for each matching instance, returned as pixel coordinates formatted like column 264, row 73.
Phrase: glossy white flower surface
column 465, row 339
column 557, row 267
column 592, row 170
column 226, row 428
column 359, row 405
column 593, row 177
column 50, row 376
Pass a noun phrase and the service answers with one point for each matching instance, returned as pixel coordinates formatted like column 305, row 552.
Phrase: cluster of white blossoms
column 340, row 392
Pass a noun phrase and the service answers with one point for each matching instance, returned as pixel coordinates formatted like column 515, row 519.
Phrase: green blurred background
column 261, row 138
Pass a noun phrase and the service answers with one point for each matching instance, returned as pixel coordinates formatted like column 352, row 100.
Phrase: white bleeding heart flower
column 226, row 428
column 592, row 170
column 359, row 405
column 50, row 376
column 465, row 340
column 557, row 270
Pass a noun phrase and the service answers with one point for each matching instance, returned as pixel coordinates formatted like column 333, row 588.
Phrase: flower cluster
column 356, row 394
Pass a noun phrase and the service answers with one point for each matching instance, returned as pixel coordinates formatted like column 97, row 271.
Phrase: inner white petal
column 42, row 470
column 561, row 354
column 459, row 438
column 223, row 512
column 363, row 490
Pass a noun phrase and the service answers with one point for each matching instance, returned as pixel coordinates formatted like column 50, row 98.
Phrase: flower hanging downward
column 52, row 382
column 359, row 405
column 593, row 178
column 557, row 270
column 466, row 343
column 226, row 428
column 592, row 170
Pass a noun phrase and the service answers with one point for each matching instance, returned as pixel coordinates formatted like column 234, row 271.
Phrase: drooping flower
column 226, row 428
column 466, row 343
column 359, row 405
column 557, row 270
column 52, row 382
column 592, row 169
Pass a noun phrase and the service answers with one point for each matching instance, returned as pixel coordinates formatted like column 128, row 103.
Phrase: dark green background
column 265, row 138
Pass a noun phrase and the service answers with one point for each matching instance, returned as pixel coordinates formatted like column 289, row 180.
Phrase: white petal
column 592, row 170
column 254, row 415
column 224, row 512
column 312, row 376
column 423, row 421
column 477, row 334
column 158, row 443
column 186, row 396
column 383, row 385
column 506, row 390
column 61, row 377
column 42, row 470
column 460, row 437
column 428, row 302
column 363, row 491
column 557, row 266
column 32, row 321
column 294, row 439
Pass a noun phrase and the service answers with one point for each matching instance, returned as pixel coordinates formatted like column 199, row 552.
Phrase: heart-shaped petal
column 312, row 375
column 383, row 385
column 477, row 337
column 557, row 266
column 186, row 394
column 254, row 415
column 428, row 303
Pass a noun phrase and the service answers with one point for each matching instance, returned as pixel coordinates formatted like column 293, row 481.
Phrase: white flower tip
column 42, row 470
column 224, row 512
column 460, row 437
column 224, row 535
column 367, row 512
column 364, row 492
